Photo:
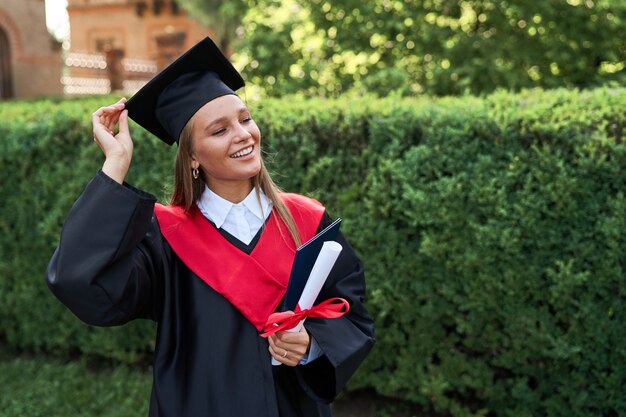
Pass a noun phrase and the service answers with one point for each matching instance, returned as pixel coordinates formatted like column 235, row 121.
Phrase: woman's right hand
column 117, row 148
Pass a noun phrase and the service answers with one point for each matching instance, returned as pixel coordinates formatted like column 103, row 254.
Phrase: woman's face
column 226, row 144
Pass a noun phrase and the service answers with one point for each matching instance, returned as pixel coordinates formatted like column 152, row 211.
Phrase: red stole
column 254, row 284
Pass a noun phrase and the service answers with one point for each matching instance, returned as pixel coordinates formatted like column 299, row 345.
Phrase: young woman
column 214, row 264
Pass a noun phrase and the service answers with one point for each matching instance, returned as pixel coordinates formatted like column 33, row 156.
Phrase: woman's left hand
column 289, row 348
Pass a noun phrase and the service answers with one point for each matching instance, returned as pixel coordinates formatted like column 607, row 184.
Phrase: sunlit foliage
column 328, row 47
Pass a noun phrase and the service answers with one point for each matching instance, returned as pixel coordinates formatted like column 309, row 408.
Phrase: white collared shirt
column 243, row 221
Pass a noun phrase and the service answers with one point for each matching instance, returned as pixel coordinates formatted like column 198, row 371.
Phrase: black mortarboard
column 166, row 103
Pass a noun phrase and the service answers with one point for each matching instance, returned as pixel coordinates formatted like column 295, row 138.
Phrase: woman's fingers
column 298, row 340
column 298, row 348
column 123, row 134
column 284, row 356
column 104, row 121
column 105, row 118
column 289, row 348
column 113, row 115
column 117, row 107
column 123, row 123
column 117, row 148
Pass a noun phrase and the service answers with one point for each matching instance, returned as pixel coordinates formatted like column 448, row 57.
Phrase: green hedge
column 45, row 388
column 493, row 232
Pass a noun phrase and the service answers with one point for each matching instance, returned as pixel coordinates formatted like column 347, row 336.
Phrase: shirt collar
column 216, row 208
column 252, row 204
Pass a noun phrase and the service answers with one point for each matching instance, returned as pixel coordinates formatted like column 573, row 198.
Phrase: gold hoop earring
column 195, row 173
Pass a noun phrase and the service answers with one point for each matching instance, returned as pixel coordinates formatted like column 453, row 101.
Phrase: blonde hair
column 188, row 190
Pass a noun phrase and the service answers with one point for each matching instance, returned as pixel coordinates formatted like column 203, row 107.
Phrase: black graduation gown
column 112, row 265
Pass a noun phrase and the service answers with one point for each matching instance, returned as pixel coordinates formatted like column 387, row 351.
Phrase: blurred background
column 317, row 47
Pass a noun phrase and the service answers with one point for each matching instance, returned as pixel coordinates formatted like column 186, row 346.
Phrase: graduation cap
column 166, row 103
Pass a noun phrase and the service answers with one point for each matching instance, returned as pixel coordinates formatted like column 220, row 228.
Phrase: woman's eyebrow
column 216, row 121
column 244, row 109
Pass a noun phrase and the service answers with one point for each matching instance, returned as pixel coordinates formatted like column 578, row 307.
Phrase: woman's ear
column 194, row 163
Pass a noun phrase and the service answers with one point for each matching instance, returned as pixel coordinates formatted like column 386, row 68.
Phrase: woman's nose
column 242, row 133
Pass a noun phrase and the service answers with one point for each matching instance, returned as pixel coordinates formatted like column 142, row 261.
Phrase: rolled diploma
column 321, row 269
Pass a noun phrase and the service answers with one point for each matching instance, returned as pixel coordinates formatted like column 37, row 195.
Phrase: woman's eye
column 218, row 132
column 246, row 119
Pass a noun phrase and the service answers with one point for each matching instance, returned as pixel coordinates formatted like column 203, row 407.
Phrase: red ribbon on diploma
column 328, row 309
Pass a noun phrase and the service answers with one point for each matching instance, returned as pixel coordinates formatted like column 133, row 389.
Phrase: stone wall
column 34, row 55
column 131, row 26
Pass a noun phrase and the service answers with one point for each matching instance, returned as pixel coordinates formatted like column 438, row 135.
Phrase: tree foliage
column 450, row 47
column 223, row 17
column 327, row 47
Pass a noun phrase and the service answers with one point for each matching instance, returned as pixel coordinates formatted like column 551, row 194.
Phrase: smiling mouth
column 243, row 152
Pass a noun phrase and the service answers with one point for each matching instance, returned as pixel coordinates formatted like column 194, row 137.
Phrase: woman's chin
column 255, row 170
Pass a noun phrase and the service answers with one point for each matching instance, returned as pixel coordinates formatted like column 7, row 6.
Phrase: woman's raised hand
column 117, row 148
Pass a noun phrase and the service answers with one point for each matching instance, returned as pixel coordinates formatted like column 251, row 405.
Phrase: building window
column 157, row 5
column 140, row 8
column 105, row 44
column 174, row 7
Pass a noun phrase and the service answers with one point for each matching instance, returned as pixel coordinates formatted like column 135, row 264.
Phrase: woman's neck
column 235, row 192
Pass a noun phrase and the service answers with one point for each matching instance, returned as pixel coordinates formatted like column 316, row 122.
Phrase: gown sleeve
column 345, row 341
column 110, row 254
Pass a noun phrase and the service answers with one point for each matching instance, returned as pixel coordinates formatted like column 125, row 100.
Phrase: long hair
column 188, row 190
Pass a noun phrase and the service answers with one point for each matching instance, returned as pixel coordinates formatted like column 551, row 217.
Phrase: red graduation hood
column 254, row 283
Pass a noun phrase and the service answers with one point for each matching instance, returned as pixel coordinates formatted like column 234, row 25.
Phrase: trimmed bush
column 492, row 231
column 37, row 388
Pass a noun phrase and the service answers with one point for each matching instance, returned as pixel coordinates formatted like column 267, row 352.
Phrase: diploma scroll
column 321, row 269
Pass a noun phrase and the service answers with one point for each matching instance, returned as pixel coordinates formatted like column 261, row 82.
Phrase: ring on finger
column 285, row 354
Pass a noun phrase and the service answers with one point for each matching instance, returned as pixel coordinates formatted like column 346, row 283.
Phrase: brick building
column 119, row 44
column 30, row 58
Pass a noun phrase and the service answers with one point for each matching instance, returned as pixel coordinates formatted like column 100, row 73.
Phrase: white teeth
column 242, row 152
